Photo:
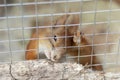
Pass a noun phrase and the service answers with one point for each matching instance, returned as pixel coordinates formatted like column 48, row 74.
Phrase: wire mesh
column 99, row 20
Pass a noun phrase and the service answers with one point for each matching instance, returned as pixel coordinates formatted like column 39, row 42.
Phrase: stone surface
column 46, row 70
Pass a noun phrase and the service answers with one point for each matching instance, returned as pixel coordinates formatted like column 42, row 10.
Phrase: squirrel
column 50, row 41
column 54, row 48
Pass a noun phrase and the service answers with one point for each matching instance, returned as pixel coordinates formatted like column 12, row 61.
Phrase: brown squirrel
column 54, row 48
column 52, row 43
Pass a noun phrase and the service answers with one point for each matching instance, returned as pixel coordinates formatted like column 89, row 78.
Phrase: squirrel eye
column 55, row 37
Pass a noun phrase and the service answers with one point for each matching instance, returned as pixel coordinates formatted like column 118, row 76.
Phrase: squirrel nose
column 55, row 57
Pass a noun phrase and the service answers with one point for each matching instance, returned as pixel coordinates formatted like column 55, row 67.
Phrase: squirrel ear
column 62, row 20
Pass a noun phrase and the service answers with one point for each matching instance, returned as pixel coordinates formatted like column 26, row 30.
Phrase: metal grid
column 16, row 26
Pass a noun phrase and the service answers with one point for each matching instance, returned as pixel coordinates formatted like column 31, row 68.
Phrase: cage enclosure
column 63, row 33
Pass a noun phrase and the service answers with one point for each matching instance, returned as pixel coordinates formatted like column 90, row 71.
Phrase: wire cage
column 82, row 31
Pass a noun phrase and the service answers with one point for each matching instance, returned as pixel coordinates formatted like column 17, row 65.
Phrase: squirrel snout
column 55, row 58
column 56, row 55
